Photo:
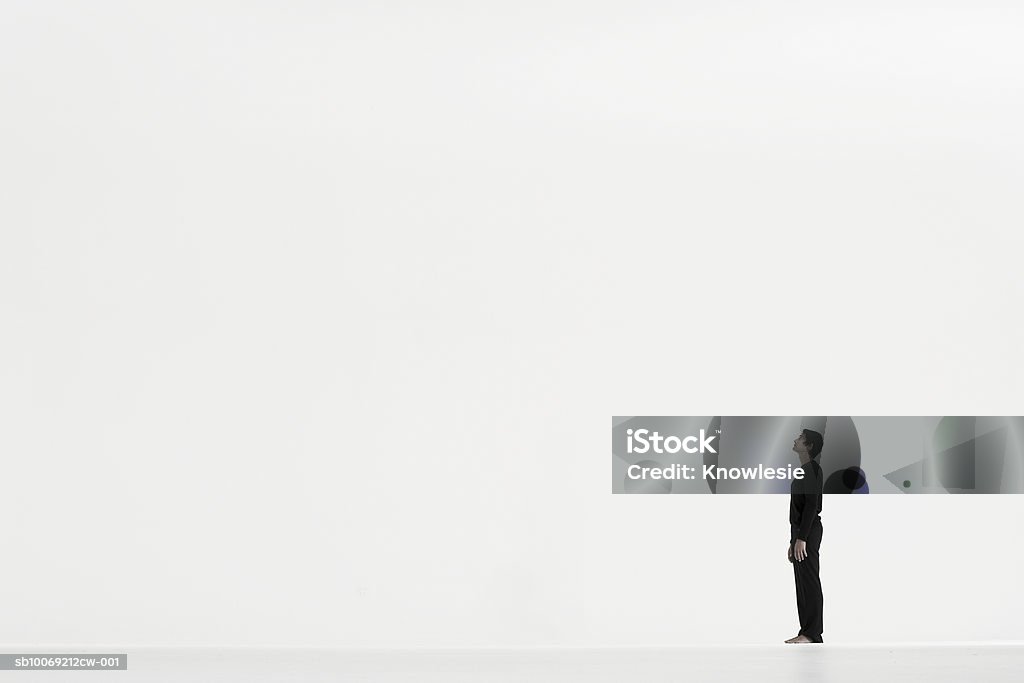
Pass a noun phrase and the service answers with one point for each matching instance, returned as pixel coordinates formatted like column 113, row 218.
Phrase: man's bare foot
column 800, row 639
column 794, row 638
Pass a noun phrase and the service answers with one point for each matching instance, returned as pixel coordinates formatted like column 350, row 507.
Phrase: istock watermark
column 645, row 441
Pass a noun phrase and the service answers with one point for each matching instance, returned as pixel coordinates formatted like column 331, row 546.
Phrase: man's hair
column 814, row 441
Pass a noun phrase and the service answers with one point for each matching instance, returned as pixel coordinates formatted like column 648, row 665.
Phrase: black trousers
column 808, row 583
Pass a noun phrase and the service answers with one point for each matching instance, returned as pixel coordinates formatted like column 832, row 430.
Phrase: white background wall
column 315, row 314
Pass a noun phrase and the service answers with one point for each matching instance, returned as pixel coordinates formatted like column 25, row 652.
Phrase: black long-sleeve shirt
column 805, row 499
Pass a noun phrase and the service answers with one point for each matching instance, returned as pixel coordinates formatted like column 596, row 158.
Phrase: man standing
column 805, row 536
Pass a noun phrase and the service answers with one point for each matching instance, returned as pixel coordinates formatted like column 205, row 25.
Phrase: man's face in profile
column 800, row 444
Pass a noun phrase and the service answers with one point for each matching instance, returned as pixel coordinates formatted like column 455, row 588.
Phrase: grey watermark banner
column 873, row 454
column 65, row 662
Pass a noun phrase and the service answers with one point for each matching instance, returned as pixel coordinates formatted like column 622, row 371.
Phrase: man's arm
column 811, row 494
column 808, row 514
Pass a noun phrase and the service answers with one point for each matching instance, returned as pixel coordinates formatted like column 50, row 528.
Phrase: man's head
column 809, row 444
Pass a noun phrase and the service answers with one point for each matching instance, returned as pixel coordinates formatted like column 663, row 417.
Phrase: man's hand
column 789, row 552
column 800, row 550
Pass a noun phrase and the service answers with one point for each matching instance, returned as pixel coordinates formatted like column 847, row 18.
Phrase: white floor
column 828, row 663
